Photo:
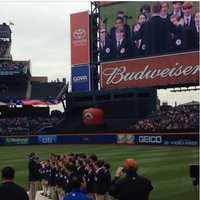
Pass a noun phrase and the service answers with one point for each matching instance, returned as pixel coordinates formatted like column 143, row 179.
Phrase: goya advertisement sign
column 81, row 78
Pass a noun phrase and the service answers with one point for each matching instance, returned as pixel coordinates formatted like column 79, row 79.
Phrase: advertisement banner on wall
column 125, row 139
column 80, row 52
column 165, row 70
column 15, row 141
column 47, row 139
column 175, row 139
column 148, row 139
column 81, row 78
column 184, row 140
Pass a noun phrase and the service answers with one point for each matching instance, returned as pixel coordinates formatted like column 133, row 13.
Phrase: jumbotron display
column 5, row 40
column 138, row 29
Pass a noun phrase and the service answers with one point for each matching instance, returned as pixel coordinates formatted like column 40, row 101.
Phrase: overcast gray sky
column 41, row 33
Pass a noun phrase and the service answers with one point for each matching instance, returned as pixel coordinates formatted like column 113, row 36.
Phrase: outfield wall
column 183, row 139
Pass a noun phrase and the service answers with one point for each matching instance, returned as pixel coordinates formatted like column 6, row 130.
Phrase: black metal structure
column 94, row 44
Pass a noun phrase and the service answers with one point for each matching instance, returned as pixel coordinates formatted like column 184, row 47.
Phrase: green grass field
column 167, row 167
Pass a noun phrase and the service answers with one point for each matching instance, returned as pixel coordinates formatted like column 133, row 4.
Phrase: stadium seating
column 26, row 125
column 170, row 118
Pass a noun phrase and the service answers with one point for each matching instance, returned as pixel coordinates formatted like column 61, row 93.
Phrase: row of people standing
column 156, row 32
column 82, row 177
column 56, row 175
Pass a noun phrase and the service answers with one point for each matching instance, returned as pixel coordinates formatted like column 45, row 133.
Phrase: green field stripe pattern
column 167, row 167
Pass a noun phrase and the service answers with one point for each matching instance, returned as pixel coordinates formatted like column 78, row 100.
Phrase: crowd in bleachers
column 158, row 30
column 26, row 125
column 170, row 118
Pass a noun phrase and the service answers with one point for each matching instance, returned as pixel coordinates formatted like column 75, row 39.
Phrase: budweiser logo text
column 116, row 75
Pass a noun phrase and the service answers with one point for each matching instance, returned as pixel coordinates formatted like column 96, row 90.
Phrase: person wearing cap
column 128, row 185
column 9, row 190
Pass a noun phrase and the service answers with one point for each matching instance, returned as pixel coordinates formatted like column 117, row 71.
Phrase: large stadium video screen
column 5, row 40
column 10, row 68
column 140, row 29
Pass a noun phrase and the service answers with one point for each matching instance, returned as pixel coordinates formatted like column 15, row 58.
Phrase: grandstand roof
column 13, row 91
column 191, row 103
column 47, row 90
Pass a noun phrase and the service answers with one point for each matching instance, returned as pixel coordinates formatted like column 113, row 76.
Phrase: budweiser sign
column 159, row 71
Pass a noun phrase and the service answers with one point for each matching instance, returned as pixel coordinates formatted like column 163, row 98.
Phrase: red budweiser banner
column 165, row 70
column 80, row 38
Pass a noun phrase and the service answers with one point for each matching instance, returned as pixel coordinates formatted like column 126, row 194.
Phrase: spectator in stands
column 177, row 118
column 8, row 189
column 128, row 185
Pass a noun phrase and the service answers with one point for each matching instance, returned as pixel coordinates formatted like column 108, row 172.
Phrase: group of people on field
column 64, row 177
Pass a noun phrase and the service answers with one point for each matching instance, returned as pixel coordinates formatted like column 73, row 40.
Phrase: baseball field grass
column 167, row 167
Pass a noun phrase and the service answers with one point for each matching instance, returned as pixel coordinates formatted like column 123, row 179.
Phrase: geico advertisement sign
column 80, row 79
column 150, row 139
column 162, row 70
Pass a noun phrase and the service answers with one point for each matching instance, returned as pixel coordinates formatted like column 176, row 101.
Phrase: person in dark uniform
column 154, row 34
column 131, row 185
column 177, row 40
column 8, row 189
column 197, row 29
column 189, row 25
column 120, row 24
column 120, row 46
column 101, row 184
column 107, row 176
column 34, row 175
column 51, row 180
column 90, row 180
column 105, row 46
column 44, row 182
column 136, row 43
